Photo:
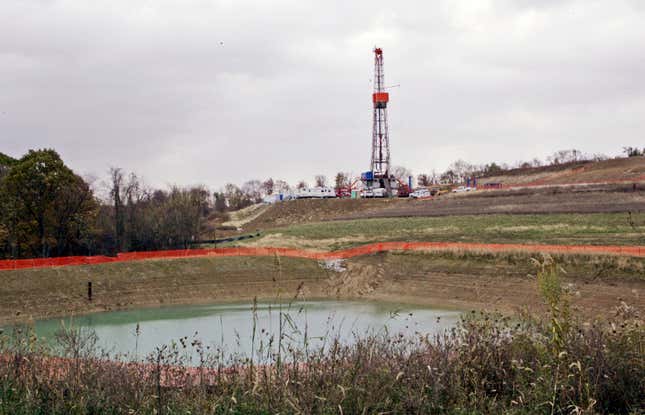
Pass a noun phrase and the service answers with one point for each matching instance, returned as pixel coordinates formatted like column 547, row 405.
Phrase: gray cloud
column 214, row 91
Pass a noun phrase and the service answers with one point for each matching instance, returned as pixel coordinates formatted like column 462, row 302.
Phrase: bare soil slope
column 609, row 171
column 455, row 280
column 577, row 199
column 566, row 199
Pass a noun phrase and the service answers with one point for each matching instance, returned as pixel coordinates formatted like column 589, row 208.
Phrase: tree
column 73, row 214
column 280, row 186
column 254, row 189
column 341, row 180
column 235, row 198
column 401, row 173
column 5, row 164
column 268, row 186
column 116, row 194
column 491, row 169
column 182, row 214
column 301, row 185
column 44, row 203
column 459, row 170
column 633, row 151
column 449, row 177
column 321, row 180
column 565, row 156
column 423, row 180
column 220, row 202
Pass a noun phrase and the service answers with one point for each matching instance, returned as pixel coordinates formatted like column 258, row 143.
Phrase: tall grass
column 487, row 364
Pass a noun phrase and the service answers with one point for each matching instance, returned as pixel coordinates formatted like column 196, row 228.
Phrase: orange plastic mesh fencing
column 9, row 264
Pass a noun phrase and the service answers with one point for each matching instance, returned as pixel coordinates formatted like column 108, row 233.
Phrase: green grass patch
column 566, row 229
column 582, row 268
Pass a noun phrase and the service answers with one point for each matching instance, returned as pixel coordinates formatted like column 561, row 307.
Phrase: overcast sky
column 208, row 92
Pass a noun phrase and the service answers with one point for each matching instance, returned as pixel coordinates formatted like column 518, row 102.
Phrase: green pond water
column 229, row 327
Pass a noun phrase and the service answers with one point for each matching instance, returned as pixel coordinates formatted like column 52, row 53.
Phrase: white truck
column 373, row 192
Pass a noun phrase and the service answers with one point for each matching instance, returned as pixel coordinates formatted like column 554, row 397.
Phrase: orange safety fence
column 11, row 264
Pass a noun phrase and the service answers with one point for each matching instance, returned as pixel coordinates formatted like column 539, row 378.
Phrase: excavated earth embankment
column 461, row 280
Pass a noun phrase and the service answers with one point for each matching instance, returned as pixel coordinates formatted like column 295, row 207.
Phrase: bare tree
column 401, row 173
column 341, row 180
column 220, row 201
column 116, row 194
column 280, row 186
column 459, row 170
column 423, row 180
column 449, row 177
column 268, row 186
column 633, row 151
column 301, row 185
column 566, row 156
column 253, row 189
column 321, row 180
column 434, row 177
column 236, row 199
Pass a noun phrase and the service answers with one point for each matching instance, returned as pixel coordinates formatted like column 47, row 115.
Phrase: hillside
column 606, row 171
column 598, row 187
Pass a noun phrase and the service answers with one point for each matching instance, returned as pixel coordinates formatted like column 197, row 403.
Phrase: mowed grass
column 567, row 229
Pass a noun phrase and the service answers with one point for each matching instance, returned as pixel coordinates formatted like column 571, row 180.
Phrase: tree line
column 47, row 210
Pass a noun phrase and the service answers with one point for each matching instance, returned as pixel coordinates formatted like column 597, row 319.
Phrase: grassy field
column 568, row 229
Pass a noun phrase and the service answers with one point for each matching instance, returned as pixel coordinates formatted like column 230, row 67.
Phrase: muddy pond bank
column 447, row 280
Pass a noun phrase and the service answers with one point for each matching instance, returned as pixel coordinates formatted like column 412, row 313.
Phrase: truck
column 316, row 193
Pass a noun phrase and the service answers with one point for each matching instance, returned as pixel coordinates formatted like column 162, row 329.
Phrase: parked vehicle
column 316, row 193
column 379, row 192
column 403, row 190
column 462, row 189
column 373, row 192
column 420, row 193
column 344, row 192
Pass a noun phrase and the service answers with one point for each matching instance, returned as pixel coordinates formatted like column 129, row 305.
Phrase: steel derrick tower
column 380, row 162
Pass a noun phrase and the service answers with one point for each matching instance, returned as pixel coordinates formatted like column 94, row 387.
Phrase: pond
column 230, row 327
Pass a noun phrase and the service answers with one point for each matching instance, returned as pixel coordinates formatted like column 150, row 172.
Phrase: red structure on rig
column 379, row 175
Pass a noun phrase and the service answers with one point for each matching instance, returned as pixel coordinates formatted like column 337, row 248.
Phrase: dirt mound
column 357, row 280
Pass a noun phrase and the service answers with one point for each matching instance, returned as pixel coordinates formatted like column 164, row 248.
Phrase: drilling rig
column 378, row 181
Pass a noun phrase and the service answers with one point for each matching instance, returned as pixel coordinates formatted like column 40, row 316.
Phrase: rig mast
column 380, row 163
